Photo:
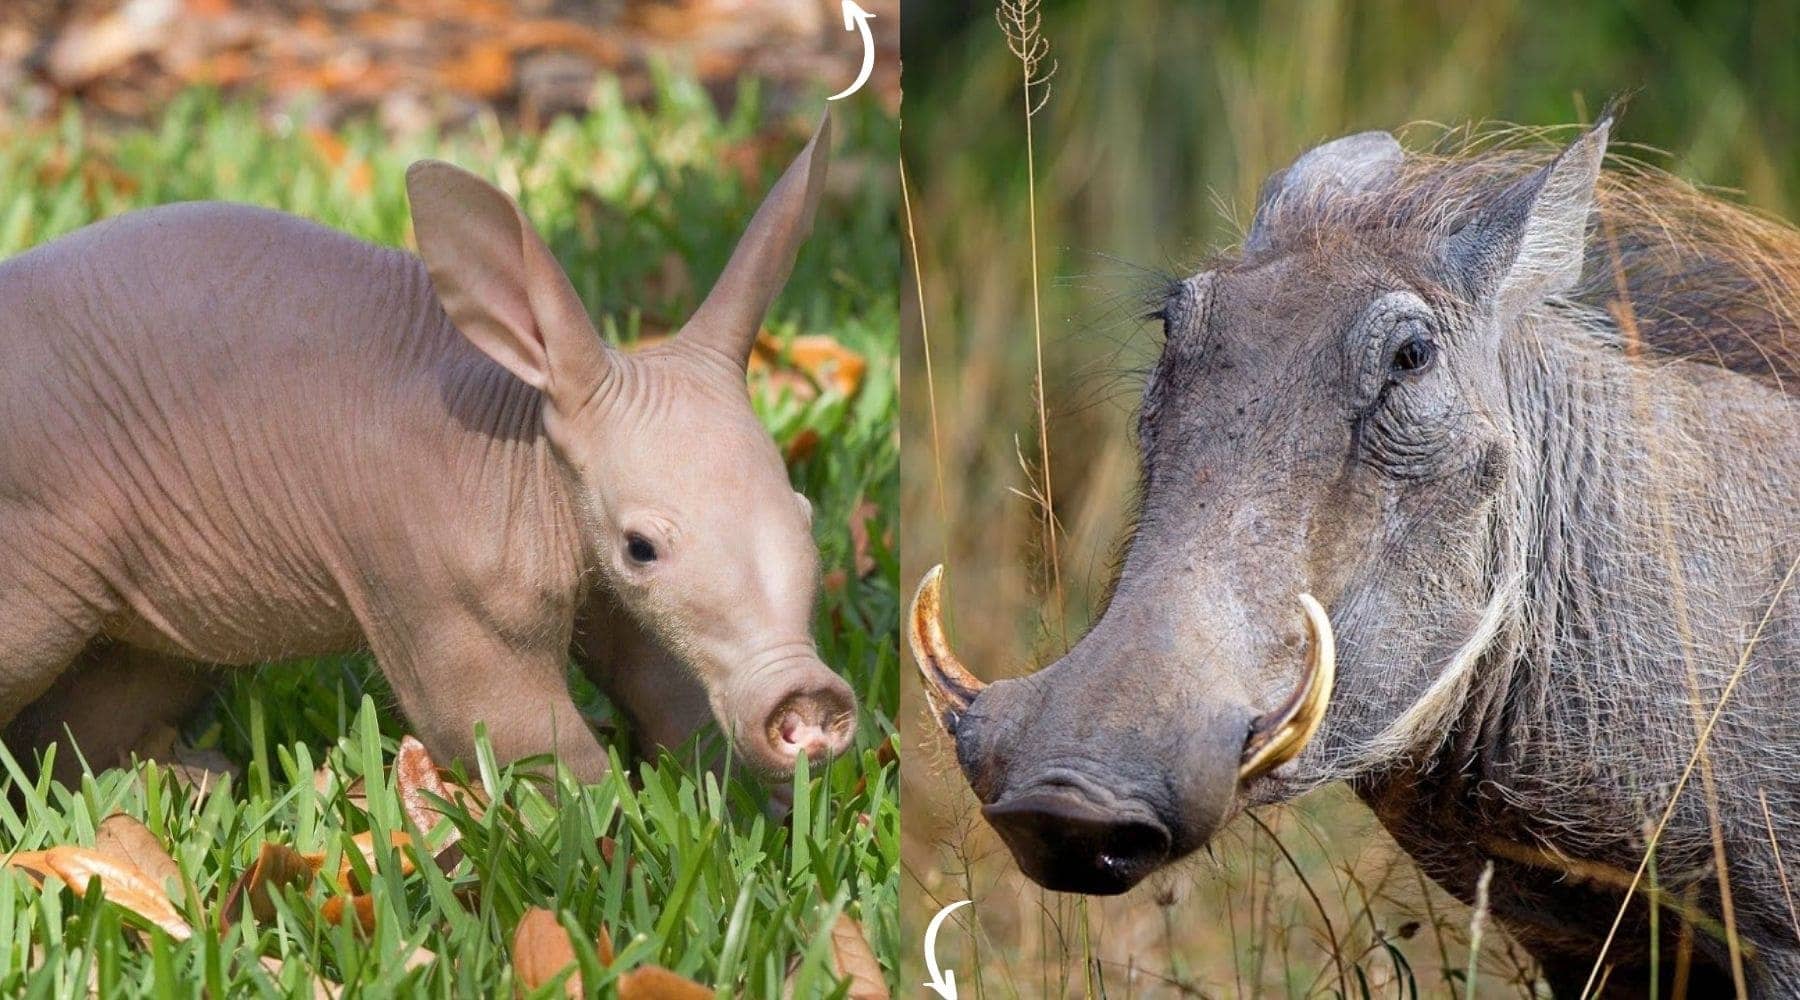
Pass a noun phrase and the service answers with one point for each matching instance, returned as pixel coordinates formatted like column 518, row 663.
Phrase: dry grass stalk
column 1022, row 22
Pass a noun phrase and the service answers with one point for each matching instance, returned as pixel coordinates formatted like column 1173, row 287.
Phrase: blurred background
column 418, row 63
column 1159, row 120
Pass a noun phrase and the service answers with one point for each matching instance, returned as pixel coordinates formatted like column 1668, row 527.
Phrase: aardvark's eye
column 639, row 549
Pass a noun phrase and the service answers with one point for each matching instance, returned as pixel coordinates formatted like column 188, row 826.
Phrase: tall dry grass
column 1164, row 119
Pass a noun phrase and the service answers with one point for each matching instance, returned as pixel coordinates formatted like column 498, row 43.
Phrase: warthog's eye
column 639, row 548
column 1414, row 355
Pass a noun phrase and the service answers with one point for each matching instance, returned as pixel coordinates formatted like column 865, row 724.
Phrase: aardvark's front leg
column 460, row 672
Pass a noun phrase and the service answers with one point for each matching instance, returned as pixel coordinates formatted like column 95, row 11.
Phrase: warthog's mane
column 1681, row 271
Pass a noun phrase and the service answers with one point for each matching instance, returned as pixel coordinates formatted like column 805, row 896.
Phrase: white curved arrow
column 944, row 983
column 855, row 17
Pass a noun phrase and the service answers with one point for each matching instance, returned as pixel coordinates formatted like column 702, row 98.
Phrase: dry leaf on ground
column 276, row 865
column 361, row 904
column 603, row 946
column 347, row 877
column 128, row 839
column 123, row 884
column 853, row 959
column 541, row 950
column 653, row 982
column 322, row 988
column 416, row 776
column 32, row 863
column 326, row 783
column 802, row 445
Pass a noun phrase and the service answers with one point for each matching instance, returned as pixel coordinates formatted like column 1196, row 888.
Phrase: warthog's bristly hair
column 1704, row 279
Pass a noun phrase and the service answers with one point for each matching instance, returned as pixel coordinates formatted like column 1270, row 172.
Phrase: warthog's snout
column 1065, row 841
column 1092, row 783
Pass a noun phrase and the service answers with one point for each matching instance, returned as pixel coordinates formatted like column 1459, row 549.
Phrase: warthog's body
column 1551, row 541
column 230, row 436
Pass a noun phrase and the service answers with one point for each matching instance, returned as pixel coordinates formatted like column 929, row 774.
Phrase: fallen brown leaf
column 609, row 847
column 885, row 754
column 471, row 798
column 276, row 865
column 122, row 883
column 361, row 904
column 853, row 959
column 199, row 770
column 326, row 783
column 347, row 877
column 603, row 946
column 541, row 950
column 322, row 988
column 32, row 863
column 568, row 36
column 653, row 982
column 129, row 840
column 780, row 382
column 416, row 776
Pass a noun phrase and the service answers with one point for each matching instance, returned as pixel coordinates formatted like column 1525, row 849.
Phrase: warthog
column 229, row 435
column 1526, row 430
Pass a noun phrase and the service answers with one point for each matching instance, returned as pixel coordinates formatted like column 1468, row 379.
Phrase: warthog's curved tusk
column 1278, row 737
column 948, row 685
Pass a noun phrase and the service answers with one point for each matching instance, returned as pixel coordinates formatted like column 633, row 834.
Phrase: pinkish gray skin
column 230, row 436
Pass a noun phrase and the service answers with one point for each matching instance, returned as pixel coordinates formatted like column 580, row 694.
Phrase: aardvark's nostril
column 818, row 720
column 801, row 735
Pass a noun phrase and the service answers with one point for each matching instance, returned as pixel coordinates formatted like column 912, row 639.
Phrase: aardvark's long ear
column 733, row 311
column 1529, row 244
column 500, row 284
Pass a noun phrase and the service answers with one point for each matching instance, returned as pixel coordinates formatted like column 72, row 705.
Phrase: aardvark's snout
column 799, row 707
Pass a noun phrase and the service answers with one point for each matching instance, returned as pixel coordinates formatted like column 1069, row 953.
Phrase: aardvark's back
column 208, row 415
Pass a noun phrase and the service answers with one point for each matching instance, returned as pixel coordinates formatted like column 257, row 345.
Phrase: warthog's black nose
column 1066, row 843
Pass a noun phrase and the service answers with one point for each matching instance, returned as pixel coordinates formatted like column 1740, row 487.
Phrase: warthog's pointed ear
column 1349, row 166
column 500, row 284
column 733, row 311
column 1530, row 243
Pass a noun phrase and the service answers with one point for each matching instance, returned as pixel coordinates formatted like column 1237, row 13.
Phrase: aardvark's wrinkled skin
column 230, row 436
column 1552, row 534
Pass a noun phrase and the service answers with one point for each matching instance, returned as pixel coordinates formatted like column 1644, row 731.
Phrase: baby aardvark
column 230, row 436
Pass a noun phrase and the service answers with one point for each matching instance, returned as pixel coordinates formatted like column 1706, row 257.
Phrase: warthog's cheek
column 1206, row 780
column 985, row 734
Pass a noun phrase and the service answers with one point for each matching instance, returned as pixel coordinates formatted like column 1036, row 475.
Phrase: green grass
column 642, row 206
